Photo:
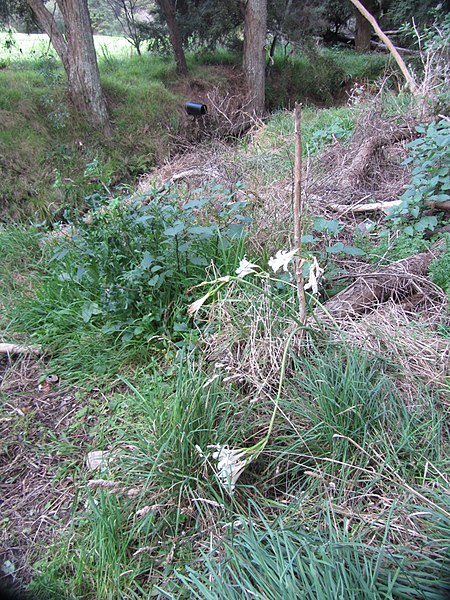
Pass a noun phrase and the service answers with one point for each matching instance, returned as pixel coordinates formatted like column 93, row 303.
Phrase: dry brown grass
column 35, row 503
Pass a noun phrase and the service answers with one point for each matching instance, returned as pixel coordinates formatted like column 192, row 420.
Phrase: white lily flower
column 195, row 306
column 282, row 259
column 315, row 272
column 245, row 267
column 230, row 464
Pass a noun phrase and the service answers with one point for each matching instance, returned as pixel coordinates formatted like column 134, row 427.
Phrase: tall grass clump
column 284, row 559
column 154, row 503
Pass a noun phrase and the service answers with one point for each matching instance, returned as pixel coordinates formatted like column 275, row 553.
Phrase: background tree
column 168, row 10
column 75, row 48
column 363, row 30
column 254, row 58
column 132, row 15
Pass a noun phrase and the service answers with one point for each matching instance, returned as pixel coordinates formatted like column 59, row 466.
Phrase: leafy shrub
column 430, row 182
column 124, row 269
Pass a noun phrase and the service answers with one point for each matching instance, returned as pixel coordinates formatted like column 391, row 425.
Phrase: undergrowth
column 45, row 145
column 119, row 278
column 200, row 374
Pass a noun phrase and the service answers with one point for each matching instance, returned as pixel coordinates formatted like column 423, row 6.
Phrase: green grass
column 348, row 498
column 349, row 470
column 45, row 147
column 284, row 533
column 319, row 76
column 271, row 153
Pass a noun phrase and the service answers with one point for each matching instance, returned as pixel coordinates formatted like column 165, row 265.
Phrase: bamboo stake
column 299, row 213
column 392, row 49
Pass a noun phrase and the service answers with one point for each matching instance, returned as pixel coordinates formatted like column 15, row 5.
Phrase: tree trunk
column 77, row 53
column 364, row 30
column 168, row 9
column 254, row 59
column 363, row 34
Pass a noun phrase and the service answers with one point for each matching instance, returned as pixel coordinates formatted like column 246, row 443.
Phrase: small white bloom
column 245, row 268
column 282, row 259
column 195, row 306
column 315, row 272
column 230, row 465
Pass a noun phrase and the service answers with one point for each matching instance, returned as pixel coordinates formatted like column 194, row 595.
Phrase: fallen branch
column 358, row 208
column 384, row 206
column 16, row 349
column 384, row 38
column 354, row 174
column 397, row 281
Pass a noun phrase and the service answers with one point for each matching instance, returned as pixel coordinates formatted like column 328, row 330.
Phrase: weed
column 122, row 274
column 430, row 182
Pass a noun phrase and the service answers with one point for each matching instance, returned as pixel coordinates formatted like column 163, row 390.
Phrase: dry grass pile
column 245, row 340
column 408, row 341
column 369, row 167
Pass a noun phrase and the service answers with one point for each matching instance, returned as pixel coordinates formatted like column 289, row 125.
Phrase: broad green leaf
column 147, row 260
column 195, row 203
column 153, row 281
column 426, row 223
column 353, row 251
column 203, row 231
column 199, row 261
column 335, row 248
column 174, row 230
column 234, row 230
column 329, row 226
column 88, row 310
column 308, row 239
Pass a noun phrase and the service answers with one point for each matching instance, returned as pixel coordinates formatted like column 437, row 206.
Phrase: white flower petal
column 282, row 259
column 195, row 306
column 315, row 272
column 245, row 268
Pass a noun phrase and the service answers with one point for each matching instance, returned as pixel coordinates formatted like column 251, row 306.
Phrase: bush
column 430, row 182
column 124, row 269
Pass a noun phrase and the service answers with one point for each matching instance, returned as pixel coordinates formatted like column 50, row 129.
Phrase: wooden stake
column 299, row 213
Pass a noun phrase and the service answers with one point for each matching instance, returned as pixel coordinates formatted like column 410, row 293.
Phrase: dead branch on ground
column 397, row 281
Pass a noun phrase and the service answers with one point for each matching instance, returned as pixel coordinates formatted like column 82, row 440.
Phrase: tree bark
column 168, row 9
column 254, row 59
column 363, row 33
column 76, row 50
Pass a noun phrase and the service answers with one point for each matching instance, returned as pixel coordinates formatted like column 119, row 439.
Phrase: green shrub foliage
column 127, row 266
column 429, row 156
